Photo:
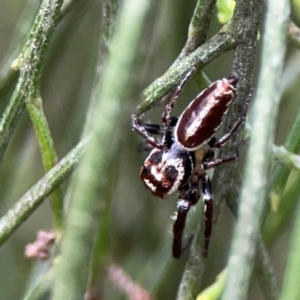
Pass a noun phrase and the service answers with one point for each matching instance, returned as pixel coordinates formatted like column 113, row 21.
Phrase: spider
column 178, row 162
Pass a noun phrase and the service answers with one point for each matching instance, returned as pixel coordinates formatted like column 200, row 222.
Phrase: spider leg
column 153, row 128
column 209, row 162
column 189, row 196
column 208, row 210
column 178, row 90
column 142, row 131
column 214, row 143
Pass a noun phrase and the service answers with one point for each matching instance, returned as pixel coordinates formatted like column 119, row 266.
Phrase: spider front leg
column 145, row 130
column 189, row 196
column 179, row 88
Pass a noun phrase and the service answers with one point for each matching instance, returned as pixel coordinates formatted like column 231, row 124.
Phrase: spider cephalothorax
column 164, row 171
column 172, row 165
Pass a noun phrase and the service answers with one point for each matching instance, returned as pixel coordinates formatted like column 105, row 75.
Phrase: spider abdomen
column 205, row 114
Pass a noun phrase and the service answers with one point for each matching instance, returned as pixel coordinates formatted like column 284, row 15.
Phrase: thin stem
column 264, row 268
column 290, row 288
column 198, row 27
column 217, row 45
column 102, row 241
column 197, row 34
column 243, row 65
column 40, row 288
column 278, row 219
column 265, row 272
column 109, row 14
column 30, row 62
column 286, row 157
column 89, row 188
column 266, row 105
column 28, row 203
column 191, row 278
column 281, row 172
column 10, row 71
column 214, row 291
column 48, row 153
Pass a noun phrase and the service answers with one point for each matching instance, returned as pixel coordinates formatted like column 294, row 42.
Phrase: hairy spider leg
column 189, row 196
column 153, row 128
column 142, row 131
column 210, row 162
column 178, row 90
column 214, row 143
column 208, row 210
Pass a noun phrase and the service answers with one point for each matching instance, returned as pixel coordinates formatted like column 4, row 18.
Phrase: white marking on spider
column 182, row 203
column 151, row 186
column 156, row 174
column 174, row 217
column 206, row 197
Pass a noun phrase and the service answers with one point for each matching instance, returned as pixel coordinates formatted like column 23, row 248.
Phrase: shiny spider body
column 179, row 161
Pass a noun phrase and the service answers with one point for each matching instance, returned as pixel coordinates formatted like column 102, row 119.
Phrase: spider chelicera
column 178, row 162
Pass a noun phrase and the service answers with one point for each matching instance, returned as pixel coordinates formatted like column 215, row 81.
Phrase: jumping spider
column 180, row 159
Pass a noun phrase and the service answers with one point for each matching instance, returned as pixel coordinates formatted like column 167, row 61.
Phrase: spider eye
column 171, row 173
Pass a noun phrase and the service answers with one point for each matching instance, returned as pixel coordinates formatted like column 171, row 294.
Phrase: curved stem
column 30, row 64
column 290, row 288
column 217, row 45
column 24, row 207
column 198, row 27
column 49, row 157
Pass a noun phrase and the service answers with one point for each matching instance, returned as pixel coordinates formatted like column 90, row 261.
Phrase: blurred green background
column 140, row 225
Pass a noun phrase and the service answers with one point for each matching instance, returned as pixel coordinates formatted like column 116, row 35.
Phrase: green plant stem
column 198, row 27
column 27, row 204
column 243, row 66
column 277, row 220
column 10, row 71
column 291, row 160
column 290, row 288
column 281, row 172
column 265, row 272
column 264, row 268
column 217, row 45
column 197, row 34
column 109, row 14
column 246, row 16
column 48, row 153
column 88, row 197
column 254, row 188
column 40, row 288
column 30, row 62
column 214, row 291
column 100, row 257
